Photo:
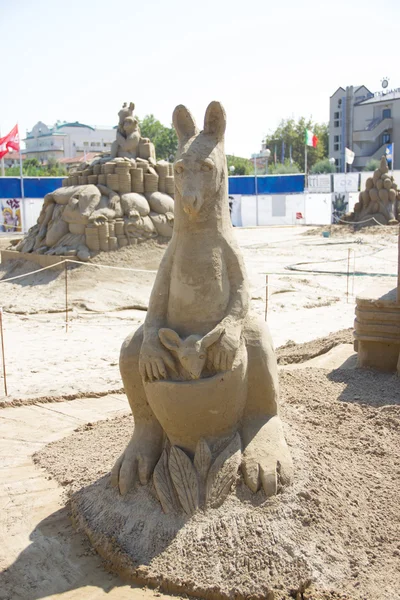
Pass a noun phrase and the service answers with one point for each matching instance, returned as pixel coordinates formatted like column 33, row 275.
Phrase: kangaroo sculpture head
column 201, row 182
column 192, row 351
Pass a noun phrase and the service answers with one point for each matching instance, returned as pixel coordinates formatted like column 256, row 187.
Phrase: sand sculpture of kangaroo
column 201, row 288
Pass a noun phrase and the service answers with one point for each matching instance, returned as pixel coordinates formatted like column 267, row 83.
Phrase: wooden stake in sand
column 2, row 352
column 66, row 296
column 348, row 273
column 266, row 296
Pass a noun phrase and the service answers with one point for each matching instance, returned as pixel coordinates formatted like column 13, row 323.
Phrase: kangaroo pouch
column 203, row 408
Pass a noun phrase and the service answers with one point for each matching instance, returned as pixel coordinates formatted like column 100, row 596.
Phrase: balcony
column 375, row 128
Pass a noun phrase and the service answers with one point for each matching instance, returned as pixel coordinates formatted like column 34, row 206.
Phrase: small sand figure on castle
column 128, row 134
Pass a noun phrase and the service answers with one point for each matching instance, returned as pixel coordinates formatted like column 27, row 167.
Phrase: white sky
column 76, row 60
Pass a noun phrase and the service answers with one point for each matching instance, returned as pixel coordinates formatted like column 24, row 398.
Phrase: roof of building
column 335, row 92
column 13, row 156
column 382, row 97
column 76, row 124
column 79, row 159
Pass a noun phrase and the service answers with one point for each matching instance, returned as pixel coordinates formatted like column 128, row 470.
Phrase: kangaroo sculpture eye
column 178, row 169
column 206, row 166
column 202, row 356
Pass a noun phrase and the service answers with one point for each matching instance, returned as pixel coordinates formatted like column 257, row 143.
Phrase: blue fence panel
column 34, row 187
column 242, row 185
column 270, row 184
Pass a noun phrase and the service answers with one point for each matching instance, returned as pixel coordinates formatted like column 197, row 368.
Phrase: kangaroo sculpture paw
column 266, row 458
column 138, row 460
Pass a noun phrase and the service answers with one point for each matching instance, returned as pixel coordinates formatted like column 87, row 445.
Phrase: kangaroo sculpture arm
column 238, row 306
column 222, row 354
column 153, row 356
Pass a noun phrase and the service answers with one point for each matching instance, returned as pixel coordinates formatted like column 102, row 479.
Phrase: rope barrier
column 67, row 260
column 365, row 221
column 88, row 264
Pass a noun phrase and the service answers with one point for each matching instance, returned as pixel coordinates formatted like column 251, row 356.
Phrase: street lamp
column 232, row 169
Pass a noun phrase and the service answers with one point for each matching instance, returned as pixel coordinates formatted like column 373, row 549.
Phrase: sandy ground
column 43, row 360
column 38, row 544
column 340, row 519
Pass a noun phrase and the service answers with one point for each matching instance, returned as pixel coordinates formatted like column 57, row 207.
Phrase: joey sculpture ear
column 212, row 337
column 184, row 124
column 215, row 120
column 170, row 339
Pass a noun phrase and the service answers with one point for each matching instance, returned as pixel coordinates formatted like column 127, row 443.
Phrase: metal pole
column 2, row 352
column 392, row 157
column 66, row 296
column 256, row 187
column 348, row 273
column 2, row 161
column 354, row 272
column 266, row 297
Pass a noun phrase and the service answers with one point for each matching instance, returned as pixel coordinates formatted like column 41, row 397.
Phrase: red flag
column 314, row 141
column 9, row 142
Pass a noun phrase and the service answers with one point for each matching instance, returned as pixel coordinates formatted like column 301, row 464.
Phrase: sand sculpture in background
column 201, row 374
column 379, row 203
column 115, row 201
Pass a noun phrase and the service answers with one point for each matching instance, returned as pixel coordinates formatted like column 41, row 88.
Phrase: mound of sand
column 338, row 526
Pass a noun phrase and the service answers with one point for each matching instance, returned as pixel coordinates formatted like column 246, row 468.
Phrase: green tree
column 372, row 165
column 164, row 138
column 292, row 133
column 243, row 166
column 31, row 167
column 323, row 166
column 286, row 168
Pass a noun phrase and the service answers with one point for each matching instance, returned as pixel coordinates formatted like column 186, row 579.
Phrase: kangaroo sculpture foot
column 138, row 460
column 266, row 458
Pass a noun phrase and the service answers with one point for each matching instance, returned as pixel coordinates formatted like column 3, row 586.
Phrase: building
column 365, row 122
column 66, row 140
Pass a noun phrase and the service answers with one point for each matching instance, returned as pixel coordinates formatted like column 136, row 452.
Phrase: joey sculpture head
column 200, row 169
column 191, row 352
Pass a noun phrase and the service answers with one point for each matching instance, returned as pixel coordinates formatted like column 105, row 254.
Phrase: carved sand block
column 201, row 379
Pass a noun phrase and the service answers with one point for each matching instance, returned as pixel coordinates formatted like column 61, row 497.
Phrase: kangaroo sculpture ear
column 212, row 337
column 215, row 120
column 184, row 124
column 170, row 339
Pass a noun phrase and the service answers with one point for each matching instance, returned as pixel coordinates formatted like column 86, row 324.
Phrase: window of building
column 86, row 143
column 336, row 139
column 386, row 138
column 94, row 143
column 336, row 115
column 339, row 102
column 336, row 123
column 386, row 113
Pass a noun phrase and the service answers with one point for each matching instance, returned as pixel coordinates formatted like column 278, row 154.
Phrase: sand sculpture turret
column 377, row 328
column 200, row 375
column 380, row 201
column 115, row 201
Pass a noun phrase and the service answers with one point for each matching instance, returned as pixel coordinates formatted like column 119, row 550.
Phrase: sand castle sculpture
column 115, row 201
column 377, row 328
column 379, row 203
column 200, row 374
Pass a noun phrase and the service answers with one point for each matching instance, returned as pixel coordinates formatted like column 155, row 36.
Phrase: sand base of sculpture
column 43, row 260
column 197, row 555
column 377, row 332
